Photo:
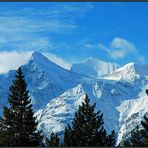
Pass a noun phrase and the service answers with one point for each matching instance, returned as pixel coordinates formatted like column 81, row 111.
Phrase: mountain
column 56, row 93
column 94, row 68
column 132, row 112
column 129, row 72
column 45, row 80
column 114, row 98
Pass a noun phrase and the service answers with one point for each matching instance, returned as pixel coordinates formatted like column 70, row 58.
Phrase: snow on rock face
column 45, row 80
column 56, row 93
column 129, row 72
column 94, row 68
column 131, row 113
column 60, row 111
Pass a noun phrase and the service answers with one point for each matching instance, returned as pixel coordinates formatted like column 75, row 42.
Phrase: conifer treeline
column 18, row 126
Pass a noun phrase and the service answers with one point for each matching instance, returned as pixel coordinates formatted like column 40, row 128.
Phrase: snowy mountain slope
column 129, row 72
column 94, row 68
column 108, row 96
column 131, row 113
column 57, row 92
column 60, row 111
column 45, row 80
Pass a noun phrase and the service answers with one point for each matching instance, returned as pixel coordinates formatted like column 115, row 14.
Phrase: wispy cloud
column 56, row 10
column 13, row 26
column 120, row 48
column 17, row 33
column 39, row 43
column 59, row 18
column 30, row 28
column 12, row 60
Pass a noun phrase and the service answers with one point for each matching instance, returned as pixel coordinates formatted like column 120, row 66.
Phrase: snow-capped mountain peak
column 43, row 61
column 45, row 79
column 129, row 72
column 38, row 56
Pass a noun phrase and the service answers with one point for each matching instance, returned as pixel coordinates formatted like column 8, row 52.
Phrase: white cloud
column 120, row 48
column 119, row 43
column 26, row 28
column 11, row 60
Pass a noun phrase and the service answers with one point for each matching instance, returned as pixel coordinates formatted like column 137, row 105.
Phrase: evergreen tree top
column 145, row 123
column 147, row 91
column 18, row 125
column 87, row 128
column 54, row 140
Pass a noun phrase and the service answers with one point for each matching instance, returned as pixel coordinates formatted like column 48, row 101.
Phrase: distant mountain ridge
column 94, row 68
column 56, row 92
column 130, row 72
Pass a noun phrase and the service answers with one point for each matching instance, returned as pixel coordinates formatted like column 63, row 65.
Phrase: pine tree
column 139, row 137
column 111, row 139
column 135, row 138
column 145, row 126
column 147, row 91
column 68, row 136
column 18, row 125
column 145, row 130
column 87, row 128
column 54, row 140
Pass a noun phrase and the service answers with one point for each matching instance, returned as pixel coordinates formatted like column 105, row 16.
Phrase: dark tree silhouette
column 18, row 125
column 87, row 128
column 54, row 140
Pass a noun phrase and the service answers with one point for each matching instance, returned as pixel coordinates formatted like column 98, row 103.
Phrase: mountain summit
column 129, row 72
column 43, row 61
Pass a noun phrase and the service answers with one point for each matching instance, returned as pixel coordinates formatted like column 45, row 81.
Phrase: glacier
column 56, row 93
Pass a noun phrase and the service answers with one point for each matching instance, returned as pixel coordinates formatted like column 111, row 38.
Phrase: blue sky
column 72, row 32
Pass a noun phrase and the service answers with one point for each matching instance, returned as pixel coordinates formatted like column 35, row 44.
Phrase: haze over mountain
column 119, row 92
